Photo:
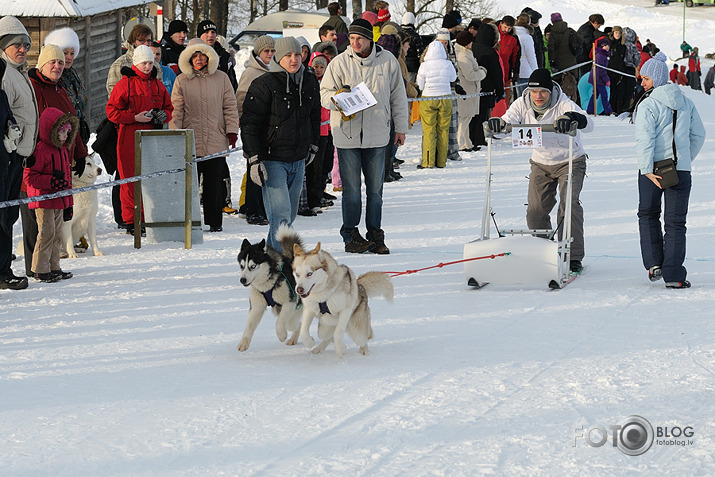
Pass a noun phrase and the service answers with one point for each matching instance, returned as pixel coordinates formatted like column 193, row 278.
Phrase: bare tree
column 357, row 8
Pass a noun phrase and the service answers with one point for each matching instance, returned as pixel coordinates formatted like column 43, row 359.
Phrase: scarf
column 74, row 87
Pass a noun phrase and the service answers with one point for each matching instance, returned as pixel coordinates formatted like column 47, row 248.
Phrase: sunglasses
column 22, row 45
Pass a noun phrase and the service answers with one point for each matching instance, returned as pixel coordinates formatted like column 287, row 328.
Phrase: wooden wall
column 100, row 44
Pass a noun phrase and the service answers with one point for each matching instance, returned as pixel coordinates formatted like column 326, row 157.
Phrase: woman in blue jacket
column 667, row 126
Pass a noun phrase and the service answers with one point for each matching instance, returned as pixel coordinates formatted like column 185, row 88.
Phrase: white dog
column 331, row 292
column 85, row 207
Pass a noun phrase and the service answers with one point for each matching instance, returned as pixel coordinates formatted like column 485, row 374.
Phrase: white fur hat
column 65, row 38
column 408, row 18
column 142, row 53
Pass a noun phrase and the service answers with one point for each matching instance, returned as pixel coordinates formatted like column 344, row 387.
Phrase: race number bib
column 528, row 137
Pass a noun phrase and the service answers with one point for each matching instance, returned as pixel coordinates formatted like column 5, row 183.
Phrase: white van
column 292, row 21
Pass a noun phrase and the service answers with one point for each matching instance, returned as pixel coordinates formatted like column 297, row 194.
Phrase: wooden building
column 98, row 24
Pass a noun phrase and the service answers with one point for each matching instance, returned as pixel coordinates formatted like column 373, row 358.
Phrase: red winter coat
column 51, row 155
column 509, row 54
column 134, row 93
column 694, row 64
column 53, row 95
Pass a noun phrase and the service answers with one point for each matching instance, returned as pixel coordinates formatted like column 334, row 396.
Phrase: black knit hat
column 176, row 26
column 541, row 78
column 361, row 27
column 205, row 26
column 449, row 21
column 464, row 38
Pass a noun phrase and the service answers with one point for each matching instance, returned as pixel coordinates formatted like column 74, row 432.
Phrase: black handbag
column 667, row 168
column 105, row 144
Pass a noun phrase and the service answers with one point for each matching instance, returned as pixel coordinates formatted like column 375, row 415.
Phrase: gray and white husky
column 333, row 294
column 269, row 275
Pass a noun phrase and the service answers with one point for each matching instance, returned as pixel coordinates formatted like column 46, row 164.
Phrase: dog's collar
column 268, row 295
column 324, row 308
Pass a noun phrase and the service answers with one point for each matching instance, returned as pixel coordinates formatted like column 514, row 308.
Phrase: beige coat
column 470, row 78
column 21, row 97
column 381, row 73
column 254, row 68
column 204, row 101
column 115, row 71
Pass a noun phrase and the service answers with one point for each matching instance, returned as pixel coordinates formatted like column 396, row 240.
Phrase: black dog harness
column 324, row 308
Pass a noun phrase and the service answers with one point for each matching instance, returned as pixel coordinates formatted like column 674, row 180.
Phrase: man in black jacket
column 207, row 31
column 172, row 44
column 589, row 32
column 412, row 58
column 280, row 130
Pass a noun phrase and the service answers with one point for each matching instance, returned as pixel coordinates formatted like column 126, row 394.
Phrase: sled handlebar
column 546, row 127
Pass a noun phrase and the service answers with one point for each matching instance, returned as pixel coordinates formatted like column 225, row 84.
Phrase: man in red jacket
column 508, row 50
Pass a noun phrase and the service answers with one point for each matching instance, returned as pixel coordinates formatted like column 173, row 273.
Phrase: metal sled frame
column 531, row 258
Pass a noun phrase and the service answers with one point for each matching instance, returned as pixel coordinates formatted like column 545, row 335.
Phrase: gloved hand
column 58, row 181
column 572, row 116
column 344, row 89
column 67, row 214
column 232, row 138
column 608, row 84
column 312, row 151
column 459, row 90
column 563, row 124
column 257, row 171
column 496, row 125
column 12, row 136
column 159, row 116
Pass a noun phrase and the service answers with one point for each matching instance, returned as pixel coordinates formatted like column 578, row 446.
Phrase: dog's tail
column 377, row 284
column 287, row 237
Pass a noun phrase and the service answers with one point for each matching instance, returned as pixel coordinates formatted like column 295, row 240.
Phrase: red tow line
column 440, row 265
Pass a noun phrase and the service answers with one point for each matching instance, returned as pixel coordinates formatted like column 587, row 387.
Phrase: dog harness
column 324, row 308
column 268, row 295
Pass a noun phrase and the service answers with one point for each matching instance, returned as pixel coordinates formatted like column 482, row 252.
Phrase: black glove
column 58, row 182
column 312, row 151
column 459, row 90
column 67, row 214
column 496, row 124
column 158, row 116
column 580, row 119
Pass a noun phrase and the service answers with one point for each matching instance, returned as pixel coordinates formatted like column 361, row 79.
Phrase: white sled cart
column 531, row 256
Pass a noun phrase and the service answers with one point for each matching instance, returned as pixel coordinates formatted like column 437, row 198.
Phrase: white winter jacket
column 527, row 59
column 381, row 73
column 555, row 147
column 23, row 103
column 436, row 72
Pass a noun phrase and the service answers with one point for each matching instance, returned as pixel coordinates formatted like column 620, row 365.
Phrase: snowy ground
column 131, row 367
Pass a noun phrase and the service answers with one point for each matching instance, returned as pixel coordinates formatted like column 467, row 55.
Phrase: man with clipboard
column 361, row 138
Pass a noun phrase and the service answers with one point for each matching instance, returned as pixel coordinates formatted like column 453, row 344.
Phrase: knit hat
column 205, row 26
column 49, row 53
column 370, row 17
column 383, row 15
column 442, row 35
column 176, row 26
column 286, row 45
column 464, row 38
column 541, row 78
column 449, row 21
column 388, row 29
column 361, row 27
column 408, row 18
column 142, row 53
column 656, row 69
column 65, row 38
column 12, row 31
column 263, row 42
column 456, row 14
column 556, row 17
column 601, row 42
column 318, row 58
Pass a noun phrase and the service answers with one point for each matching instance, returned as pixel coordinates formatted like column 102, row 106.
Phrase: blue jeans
column 666, row 250
column 281, row 193
column 372, row 164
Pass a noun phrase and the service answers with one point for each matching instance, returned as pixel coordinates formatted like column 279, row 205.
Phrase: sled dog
column 269, row 275
column 84, row 219
column 331, row 293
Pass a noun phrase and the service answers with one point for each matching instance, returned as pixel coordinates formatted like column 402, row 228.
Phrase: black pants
column 328, row 154
column 213, row 197
column 476, row 130
column 116, row 201
column 254, row 197
column 314, row 177
column 8, row 215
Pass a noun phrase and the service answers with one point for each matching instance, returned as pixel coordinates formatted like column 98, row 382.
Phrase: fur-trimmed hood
column 194, row 46
column 50, row 121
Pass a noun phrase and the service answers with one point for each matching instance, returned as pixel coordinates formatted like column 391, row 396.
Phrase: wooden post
column 137, row 190
column 188, row 176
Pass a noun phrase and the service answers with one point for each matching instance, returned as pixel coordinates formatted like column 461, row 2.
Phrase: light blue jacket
column 654, row 129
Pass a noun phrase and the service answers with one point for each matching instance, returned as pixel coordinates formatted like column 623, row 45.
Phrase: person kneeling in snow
column 543, row 102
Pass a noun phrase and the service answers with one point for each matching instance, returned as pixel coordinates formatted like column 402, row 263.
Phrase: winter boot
column 378, row 236
column 358, row 244
column 655, row 273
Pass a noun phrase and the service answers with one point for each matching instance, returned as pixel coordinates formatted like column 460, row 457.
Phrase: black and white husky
column 269, row 274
